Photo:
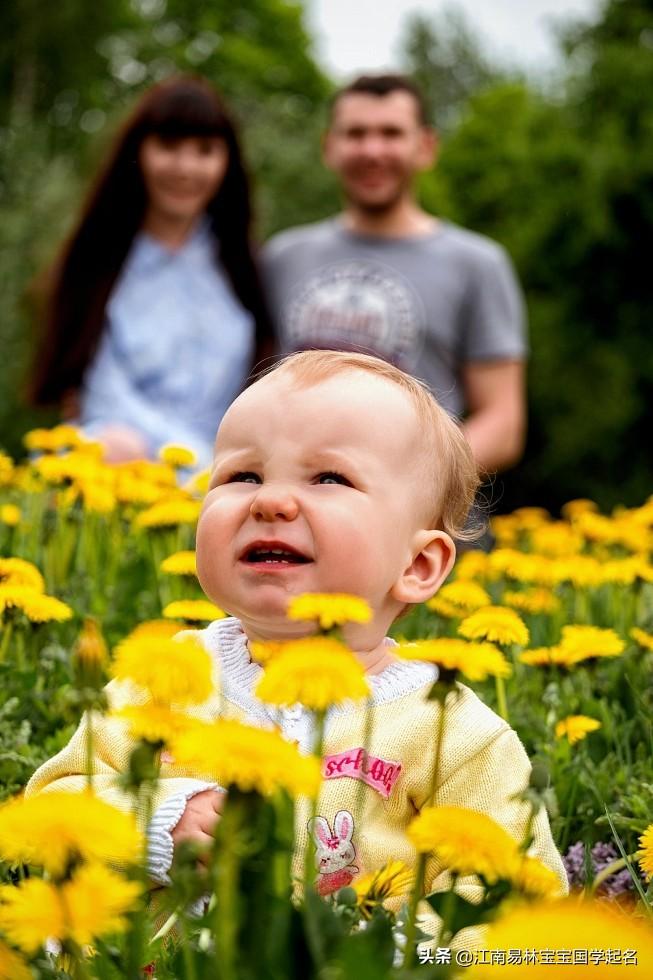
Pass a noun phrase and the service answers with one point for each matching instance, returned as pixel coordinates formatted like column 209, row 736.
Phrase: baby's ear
column 433, row 561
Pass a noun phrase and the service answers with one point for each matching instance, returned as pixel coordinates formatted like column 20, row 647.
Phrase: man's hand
column 198, row 820
column 122, row 444
column 496, row 423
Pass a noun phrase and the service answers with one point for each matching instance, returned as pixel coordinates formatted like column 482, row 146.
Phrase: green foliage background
column 560, row 172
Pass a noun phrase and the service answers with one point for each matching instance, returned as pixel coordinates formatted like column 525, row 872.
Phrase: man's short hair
column 451, row 474
column 381, row 85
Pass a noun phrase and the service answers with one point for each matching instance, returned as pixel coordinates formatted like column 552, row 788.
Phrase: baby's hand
column 198, row 820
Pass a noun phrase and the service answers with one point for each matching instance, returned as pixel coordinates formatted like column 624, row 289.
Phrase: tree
column 566, row 184
column 446, row 59
column 71, row 69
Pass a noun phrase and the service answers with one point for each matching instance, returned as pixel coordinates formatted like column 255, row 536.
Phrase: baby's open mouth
column 260, row 554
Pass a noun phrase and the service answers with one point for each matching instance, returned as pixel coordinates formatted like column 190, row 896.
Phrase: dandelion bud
column 90, row 656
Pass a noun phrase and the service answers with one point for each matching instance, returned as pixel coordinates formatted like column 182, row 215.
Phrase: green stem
column 367, row 738
column 502, row 703
column 609, row 870
column 570, row 810
column 225, row 917
column 6, row 637
column 308, row 853
column 418, row 887
column 89, row 751
column 447, row 915
column 187, row 952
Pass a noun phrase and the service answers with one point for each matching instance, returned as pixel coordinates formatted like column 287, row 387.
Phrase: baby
column 337, row 472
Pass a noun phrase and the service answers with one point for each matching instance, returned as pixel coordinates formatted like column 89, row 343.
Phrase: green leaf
column 459, row 912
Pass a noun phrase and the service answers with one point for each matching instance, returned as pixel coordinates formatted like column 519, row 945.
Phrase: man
column 385, row 277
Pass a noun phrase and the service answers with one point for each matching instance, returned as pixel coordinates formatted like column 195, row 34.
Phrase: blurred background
column 547, row 146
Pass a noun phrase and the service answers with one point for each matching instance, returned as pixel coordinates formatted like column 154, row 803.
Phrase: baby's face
column 313, row 489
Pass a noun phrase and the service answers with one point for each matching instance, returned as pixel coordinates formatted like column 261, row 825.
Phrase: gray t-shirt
column 428, row 303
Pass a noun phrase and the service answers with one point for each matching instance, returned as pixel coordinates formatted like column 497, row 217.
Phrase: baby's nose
column 275, row 503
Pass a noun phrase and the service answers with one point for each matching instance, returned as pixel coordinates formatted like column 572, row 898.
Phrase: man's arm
column 496, row 402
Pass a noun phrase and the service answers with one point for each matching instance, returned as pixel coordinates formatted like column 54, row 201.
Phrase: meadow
column 553, row 628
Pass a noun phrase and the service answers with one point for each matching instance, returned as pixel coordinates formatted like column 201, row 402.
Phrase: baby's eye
column 331, row 477
column 245, row 477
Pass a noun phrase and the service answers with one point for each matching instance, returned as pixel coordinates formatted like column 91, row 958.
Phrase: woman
column 155, row 314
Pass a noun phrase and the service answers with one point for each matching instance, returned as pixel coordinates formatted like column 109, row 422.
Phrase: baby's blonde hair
column 450, row 468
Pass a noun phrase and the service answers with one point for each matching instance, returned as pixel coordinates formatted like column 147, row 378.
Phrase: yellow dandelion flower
column 17, row 571
column 535, row 880
column 642, row 515
column 535, row 601
column 131, row 489
column 645, row 640
column 546, row 657
column 177, row 456
column 27, row 480
column 466, row 842
column 556, row 540
column 610, row 530
column 53, row 828
column 623, row 571
column 91, row 904
column 10, row 515
column 393, row 880
column 154, row 722
column 154, row 628
column 38, row 440
column 153, row 472
column 6, row 469
column 329, row 610
column 199, row 484
column 91, row 447
column 468, row 596
column 12, row 966
column 251, row 758
column 496, row 624
column 74, row 466
column 96, row 901
column 181, row 563
column 576, row 727
column 574, row 508
column 442, row 607
column 37, row 607
column 193, row 611
column 475, row 661
column 472, row 564
column 316, row 672
column 586, row 642
column 31, row 914
column 563, row 925
column 263, row 653
column 645, row 571
column 65, row 437
column 171, row 671
column 505, row 529
column 526, row 568
column 582, row 571
column 645, row 855
column 98, row 499
column 169, row 513
column 529, row 518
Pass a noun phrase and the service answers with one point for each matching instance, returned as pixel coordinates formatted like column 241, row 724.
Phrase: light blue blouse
column 176, row 349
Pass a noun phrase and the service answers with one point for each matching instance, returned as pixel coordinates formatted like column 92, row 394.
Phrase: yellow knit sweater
column 366, row 802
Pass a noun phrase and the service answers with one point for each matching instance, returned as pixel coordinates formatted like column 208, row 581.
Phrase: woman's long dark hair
column 85, row 271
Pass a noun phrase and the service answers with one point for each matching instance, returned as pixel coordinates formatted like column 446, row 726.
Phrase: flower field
column 553, row 629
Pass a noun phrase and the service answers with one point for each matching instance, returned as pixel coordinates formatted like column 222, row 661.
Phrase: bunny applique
column 335, row 852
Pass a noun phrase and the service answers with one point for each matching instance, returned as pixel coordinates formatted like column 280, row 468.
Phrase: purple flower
column 601, row 856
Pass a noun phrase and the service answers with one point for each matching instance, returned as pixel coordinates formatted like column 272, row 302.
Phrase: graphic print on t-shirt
column 360, row 306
